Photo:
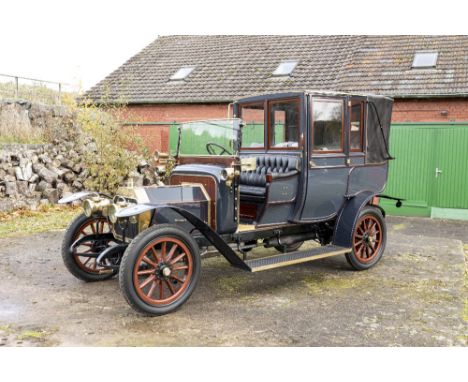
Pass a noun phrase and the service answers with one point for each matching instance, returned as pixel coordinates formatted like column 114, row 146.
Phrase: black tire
column 288, row 248
column 133, row 260
column 72, row 262
column 377, row 242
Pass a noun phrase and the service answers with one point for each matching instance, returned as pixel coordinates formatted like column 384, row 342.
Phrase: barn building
column 181, row 78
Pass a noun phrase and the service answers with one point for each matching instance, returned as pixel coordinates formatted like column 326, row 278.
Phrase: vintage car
column 287, row 168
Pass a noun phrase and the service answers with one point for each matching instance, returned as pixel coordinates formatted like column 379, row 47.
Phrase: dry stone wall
column 34, row 174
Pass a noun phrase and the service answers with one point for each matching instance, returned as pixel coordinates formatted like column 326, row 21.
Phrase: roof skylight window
column 425, row 59
column 285, row 68
column 182, row 73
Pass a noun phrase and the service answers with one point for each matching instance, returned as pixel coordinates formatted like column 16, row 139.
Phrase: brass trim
column 203, row 188
column 205, row 193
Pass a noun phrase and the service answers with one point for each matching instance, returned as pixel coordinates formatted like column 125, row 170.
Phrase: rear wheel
column 160, row 270
column 369, row 239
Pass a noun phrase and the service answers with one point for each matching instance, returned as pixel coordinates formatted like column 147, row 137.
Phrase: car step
column 270, row 262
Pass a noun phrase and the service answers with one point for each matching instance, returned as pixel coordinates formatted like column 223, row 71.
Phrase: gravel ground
column 414, row 297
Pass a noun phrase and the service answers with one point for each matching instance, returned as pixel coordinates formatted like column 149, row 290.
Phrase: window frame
column 362, row 127
column 312, row 130
column 179, row 78
column 285, row 74
column 297, row 100
column 265, row 110
column 425, row 52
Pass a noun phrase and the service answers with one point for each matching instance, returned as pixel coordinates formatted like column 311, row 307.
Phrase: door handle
column 438, row 171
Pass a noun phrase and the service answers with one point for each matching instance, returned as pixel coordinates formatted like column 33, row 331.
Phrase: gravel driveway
column 414, row 297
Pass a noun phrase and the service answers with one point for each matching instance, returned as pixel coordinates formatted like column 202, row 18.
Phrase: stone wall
column 33, row 174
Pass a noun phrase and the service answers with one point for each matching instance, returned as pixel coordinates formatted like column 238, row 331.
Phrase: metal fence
column 35, row 90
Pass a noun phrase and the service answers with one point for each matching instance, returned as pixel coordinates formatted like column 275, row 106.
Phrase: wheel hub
column 163, row 270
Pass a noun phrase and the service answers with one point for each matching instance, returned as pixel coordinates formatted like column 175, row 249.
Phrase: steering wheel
column 210, row 147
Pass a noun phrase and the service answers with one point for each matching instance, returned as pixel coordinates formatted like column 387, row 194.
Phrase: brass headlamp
column 96, row 204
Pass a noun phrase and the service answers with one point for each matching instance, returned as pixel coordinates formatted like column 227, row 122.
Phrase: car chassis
column 288, row 168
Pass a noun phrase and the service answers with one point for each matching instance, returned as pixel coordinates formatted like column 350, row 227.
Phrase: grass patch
column 317, row 283
column 398, row 227
column 32, row 335
column 232, row 284
column 46, row 218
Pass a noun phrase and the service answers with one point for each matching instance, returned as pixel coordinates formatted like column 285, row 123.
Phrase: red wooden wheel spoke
column 161, row 290
column 163, row 251
column 155, row 255
column 180, row 267
column 87, row 260
column 151, row 291
column 147, row 281
column 178, row 279
column 178, row 258
column 149, row 262
column 146, row 272
column 170, row 286
column 171, row 252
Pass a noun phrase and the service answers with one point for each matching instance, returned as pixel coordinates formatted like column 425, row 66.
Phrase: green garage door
column 430, row 170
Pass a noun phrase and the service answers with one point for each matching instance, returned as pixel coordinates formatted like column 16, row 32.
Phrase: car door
column 327, row 162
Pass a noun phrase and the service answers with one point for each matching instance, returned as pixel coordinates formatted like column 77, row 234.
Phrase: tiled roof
column 229, row 67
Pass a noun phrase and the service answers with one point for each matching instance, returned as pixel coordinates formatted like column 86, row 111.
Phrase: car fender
column 77, row 196
column 347, row 218
column 199, row 224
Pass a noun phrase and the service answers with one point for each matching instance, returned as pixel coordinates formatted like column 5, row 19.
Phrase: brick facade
column 404, row 110
column 157, row 136
column 430, row 110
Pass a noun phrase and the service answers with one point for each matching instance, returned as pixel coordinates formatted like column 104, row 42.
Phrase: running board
column 297, row 257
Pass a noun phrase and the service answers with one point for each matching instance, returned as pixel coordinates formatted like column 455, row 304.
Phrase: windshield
column 209, row 137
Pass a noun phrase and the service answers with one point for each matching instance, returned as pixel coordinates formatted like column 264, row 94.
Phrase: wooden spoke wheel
column 82, row 261
column 160, row 269
column 369, row 238
column 92, row 226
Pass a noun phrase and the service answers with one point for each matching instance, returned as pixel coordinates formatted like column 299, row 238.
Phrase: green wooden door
column 451, row 168
column 430, row 170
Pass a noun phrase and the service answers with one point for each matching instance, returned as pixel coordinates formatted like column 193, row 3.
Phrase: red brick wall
column 404, row 110
column 157, row 136
column 430, row 110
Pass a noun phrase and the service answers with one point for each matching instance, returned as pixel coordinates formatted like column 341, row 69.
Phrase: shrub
column 117, row 149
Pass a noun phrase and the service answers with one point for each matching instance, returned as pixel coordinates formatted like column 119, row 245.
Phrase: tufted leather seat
column 253, row 183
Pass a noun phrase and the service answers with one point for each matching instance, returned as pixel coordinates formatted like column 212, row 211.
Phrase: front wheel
column 160, row 270
column 369, row 239
column 81, row 262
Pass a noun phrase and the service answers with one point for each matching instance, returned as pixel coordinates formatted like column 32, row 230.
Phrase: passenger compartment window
column 328, row 125
column 355, row 133
column 284, row 124
column 253, row 132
